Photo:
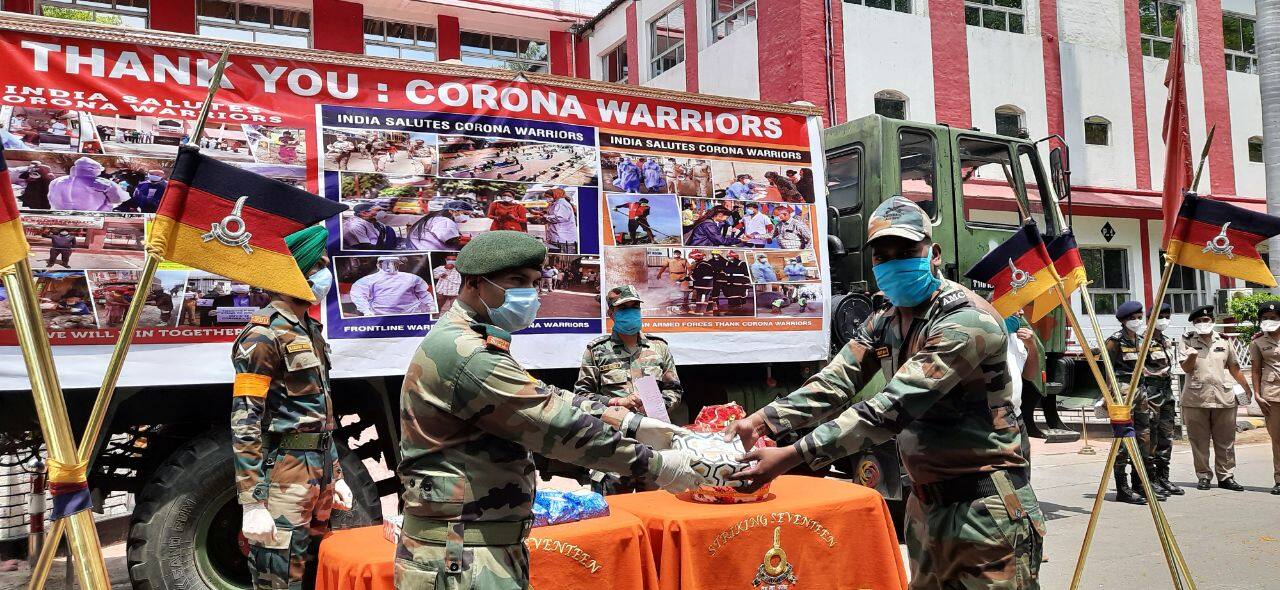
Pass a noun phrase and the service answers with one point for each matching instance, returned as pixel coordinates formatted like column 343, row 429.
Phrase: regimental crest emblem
column 1221, row 243
column 232, row 231
column 774, row 572
column 1018, row 278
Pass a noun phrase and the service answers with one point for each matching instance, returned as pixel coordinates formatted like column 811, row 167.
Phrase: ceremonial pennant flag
column 1066, row 261
column 1019, row 270
column 1222, row 238
column 13, row 243
column 69, row 489
column 1177, row 136
column 231, row 222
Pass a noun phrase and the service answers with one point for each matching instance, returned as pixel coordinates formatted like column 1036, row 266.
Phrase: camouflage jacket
column 608, row 370
column 470, row 415
column 281, row 386
column 947, row 397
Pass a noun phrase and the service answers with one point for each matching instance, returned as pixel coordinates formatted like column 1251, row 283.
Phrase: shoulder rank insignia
column 260, row 320
column 298, row 346
column 497, row 343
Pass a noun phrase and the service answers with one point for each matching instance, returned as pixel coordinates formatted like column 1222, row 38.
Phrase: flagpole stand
column 51, row 410
column 1084, row 432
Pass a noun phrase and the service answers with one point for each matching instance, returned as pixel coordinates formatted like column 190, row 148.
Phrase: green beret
column 307, row 245
column 492, row 251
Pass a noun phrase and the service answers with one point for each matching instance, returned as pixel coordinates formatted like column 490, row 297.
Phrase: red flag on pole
column 1178, row 173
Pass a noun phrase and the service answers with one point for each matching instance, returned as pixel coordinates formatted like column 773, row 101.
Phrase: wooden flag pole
column 51, row 409
column 97, row 417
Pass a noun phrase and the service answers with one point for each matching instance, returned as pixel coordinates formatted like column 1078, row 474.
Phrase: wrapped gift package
column 558, row 507
column 719, row 458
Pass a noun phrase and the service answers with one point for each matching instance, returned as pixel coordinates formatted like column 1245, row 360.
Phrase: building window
column 1002, row 15
column 892, row 104
column 1097, row 131
column 1159, row 19
column 241, row 21
column 511, row 53
column 898, row 5
column 614, row 64
column 666, row 41
column 1237, row 36
column 1108, row 273
column 403, row 40
column 1010, row 121
column 1184, row 293
column 728, row 16
column 126, row 13
column 1255, row 149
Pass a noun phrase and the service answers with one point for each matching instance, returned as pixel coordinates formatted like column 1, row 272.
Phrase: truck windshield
column 844, row 181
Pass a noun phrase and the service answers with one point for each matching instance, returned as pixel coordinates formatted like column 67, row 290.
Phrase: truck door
column 989, row 200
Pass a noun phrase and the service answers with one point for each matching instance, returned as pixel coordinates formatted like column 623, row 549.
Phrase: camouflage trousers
column 300, row 499
column 423, row 565
column 981, row 544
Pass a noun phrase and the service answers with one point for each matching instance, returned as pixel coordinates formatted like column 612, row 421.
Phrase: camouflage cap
column 900, row 217
column 620, row 295
column 492, row 251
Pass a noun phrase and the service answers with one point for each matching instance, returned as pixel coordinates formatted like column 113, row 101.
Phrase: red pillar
column 793, row 47
column 448, row 38
column 337, row 25
column 950, row 42
column 1144, row 236
column 691, row 45
column 582, row 57
column 23, row 6
column 1052, row 67
column 1137, row 95
column 1217, row 106
column 561, row 53
column 178, row 16
column 633, row 45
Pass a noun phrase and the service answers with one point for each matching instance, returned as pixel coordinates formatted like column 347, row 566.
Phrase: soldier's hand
column 256, row 523
column 676, row 474
column 767, row 464
column 1025, row 334
column 748, row 429
column 342, row 496
column 656, row 433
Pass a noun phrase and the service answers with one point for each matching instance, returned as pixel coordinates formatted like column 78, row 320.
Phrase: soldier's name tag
column 882, row 352
column 497, row 343
column 260, row 320
column 1128, row 349
column 1130, row 356
column 611, row 366
column 297, row 346
column 1220, row 348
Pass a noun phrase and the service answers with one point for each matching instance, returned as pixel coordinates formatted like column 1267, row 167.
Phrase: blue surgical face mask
column 907, row 282
column 1012, row 323
column 321, row 281
column 518, row 309
column 626, row 320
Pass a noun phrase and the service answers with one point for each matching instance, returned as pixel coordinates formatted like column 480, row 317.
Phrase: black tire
column 185, row 529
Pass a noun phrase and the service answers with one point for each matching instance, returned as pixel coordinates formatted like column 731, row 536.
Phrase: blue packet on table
column 558, row 507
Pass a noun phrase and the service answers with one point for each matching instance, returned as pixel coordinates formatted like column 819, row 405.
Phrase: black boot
column 1123, row 492
column 1030, row 401
column 1167, row 486
column 1137, row 486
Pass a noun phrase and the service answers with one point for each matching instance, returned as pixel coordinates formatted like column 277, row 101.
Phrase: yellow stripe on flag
column 1011, row 302
column 13, row 243
column 271, row 270
column 1048, row 301
column 1241, row 267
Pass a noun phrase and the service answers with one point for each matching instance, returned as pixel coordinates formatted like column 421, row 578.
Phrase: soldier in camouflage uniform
column 973, row 520
column 1123, row 348
column 287, row 472
column 1157, row 383
column 470, row 415
column 612, row 363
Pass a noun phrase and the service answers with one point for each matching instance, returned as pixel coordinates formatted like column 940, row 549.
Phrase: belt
column 299, row 441
column 965, row 488
column 473, row 532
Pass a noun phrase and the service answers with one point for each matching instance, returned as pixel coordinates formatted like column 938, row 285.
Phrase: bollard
column 35, row 510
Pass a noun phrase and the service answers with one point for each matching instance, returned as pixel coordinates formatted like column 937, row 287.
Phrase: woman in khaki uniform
column 1208, row 401
column 1264, row 356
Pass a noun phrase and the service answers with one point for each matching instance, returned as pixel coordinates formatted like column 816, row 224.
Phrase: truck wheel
column 185, row 530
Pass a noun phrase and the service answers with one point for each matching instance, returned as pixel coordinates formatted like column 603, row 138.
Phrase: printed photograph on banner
column 386, row 152
column 755, row 181
column 211, row 300
column 113, row 291
column 290, row 175
column 684, row 282
column 638, row 220
column 160, row 137
column 76, row 182
column 787, row 300
column 48, row 129
column 63, row 298
column 276, row 145
column 750, row 224
column 650, row 174
column 387, row 285
column 78, row 241
column 570, row 287
column 790, row 266
column 447, row 279
column 516, row 160
column 397, row 193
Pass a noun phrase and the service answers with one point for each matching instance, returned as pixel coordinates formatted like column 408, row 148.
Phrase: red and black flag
column 1019, row 270
column 231, row 222
column 1222, row 238
column 1067, row 263
column 13, row 243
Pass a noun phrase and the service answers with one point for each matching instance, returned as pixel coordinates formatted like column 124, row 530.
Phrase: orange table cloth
column 607, row 553
column 811, row 532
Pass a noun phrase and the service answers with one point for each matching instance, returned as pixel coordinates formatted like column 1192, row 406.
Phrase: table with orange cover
column 808, row 533
column 607, row 553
